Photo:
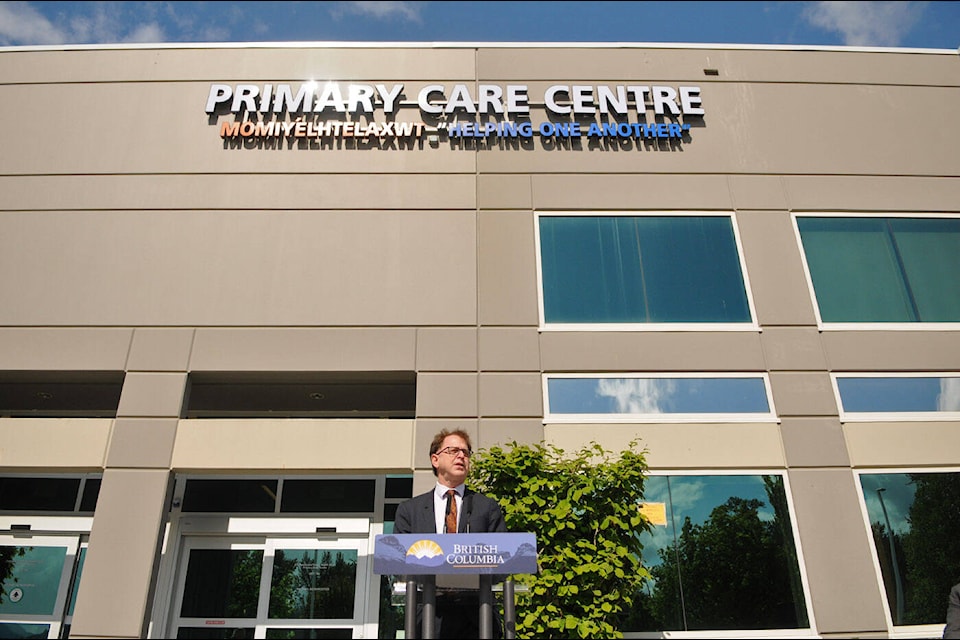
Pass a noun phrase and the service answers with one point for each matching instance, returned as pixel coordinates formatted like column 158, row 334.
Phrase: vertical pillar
column 115, row 594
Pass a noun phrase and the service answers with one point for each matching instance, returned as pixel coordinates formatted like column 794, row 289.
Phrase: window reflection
column 313, row 583
column 656, row 396
column 914, row 520
column 641, row 269
column 30, row 579
column 222, row 583
column 725, row 558
column 880, row 394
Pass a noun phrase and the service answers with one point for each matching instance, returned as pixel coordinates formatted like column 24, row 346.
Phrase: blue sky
column 928, row 25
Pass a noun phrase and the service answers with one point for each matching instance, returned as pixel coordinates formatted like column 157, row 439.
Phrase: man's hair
column 440, row 437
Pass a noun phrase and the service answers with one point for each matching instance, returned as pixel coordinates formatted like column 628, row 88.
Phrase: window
column 898, row 397
column 282, row 495
column 660, row 398
column 66, row 494
column 914, row 520
column 873, row 269
column 722, row 554
column 612, row 270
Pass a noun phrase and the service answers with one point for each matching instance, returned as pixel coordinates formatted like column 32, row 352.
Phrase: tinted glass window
column 335, row 496
column 608, row 396
column 220, row 496
column 914, row 520
column 38, row 494
column 722, row 557
column 913, row 394
column 641, row 269
column 883, row 269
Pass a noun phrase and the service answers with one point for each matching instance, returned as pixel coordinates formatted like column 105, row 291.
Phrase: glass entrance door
column 271, row 587
column 37, row 578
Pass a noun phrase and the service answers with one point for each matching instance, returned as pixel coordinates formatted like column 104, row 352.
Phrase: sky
column 925, row 25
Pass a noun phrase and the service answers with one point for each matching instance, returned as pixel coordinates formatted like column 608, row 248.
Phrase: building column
column 114, row 599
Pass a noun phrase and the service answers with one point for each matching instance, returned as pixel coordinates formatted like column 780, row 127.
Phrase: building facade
column 244, row 286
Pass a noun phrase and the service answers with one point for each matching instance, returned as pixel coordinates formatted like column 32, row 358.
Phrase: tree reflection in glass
column 313, row 584
column 222, row 583
column 914, row 518
column 725, row 560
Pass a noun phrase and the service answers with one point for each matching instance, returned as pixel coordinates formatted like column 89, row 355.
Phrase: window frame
column 544, row 326
column 891, row 416
column 863, row 326
column 770, row 416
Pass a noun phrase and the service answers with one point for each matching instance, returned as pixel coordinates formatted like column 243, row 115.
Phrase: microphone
column 467, row 509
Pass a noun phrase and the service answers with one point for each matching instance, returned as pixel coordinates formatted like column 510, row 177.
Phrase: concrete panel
column 142, row 443
column 872, row 194
column 511, row 395
column 440, row 349
column 836, row 552
column 814, row 442
column 793, row 349
column 446, row 395
column 272, row 192
column 500, row 432
column 892, row 350
column 43, row 349
column 163, row 129
column 902, row 444
column 636, row 192
column 160, row 349
column 293, row 445
column 757, row 193
column 645, row 63
column 152, row 395
column 427, row 429
column 205, row 63
column 803, row 394
column 507, row 269
column 737, row 136
column 113, row 600
column 775, row 269
column 239, row 268
column 504, row 192
column 680, row 446
column 509, row 349
column 367, row 349
column 54, row 443
column 651, row 351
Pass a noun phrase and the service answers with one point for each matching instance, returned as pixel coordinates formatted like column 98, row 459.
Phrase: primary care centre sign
column 336, row 111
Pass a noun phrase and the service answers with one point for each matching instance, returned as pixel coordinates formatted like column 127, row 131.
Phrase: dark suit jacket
column 952, row 628
column 479, row 514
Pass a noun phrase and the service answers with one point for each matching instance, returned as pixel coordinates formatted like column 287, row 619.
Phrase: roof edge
column 470, row 45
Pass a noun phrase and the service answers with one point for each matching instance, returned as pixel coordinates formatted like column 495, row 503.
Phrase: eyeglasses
column 453, row 451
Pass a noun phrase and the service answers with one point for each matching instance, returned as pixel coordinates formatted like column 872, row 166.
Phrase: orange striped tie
column 451, row 523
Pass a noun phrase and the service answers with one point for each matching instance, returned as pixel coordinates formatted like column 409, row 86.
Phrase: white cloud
column 20, row 23
column 636, row 395
column 408, row 11
column 879, row 24
column 949, row 398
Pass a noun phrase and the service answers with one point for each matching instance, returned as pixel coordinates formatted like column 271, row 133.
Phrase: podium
column 456, row 561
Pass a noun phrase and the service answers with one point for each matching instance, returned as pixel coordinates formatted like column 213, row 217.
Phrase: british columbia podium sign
column 455, row 553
